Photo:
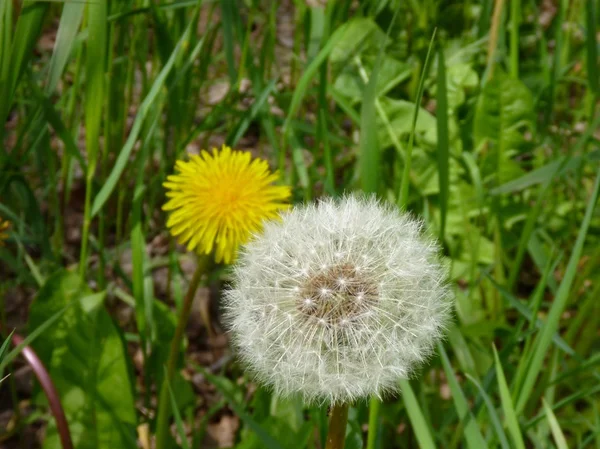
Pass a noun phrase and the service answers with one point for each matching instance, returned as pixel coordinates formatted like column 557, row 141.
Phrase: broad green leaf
column 349, row 83
column 361, row 34
column 400, row 114
column 462, row 80
column 86, row 358
column 503, row 114
column 288, row 409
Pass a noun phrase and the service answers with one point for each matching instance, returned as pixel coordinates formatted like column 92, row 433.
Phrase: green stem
column 493, row 40
column 336, row 437
column 87, row 218
column 164, row 402
column 515, row 21
column 374, row 407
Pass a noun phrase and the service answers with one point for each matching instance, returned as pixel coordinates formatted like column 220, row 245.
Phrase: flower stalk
column 41, row 373
column 164, row 401
column 336, row 436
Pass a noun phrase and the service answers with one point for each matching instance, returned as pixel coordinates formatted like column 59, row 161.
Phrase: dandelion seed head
column 363, row 307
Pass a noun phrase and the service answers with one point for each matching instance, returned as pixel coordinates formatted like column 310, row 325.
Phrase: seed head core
column 337, row 294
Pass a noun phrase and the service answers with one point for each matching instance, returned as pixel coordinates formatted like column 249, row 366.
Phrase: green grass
column 490, row 139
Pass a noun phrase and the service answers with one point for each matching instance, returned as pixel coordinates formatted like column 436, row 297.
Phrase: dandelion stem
column 164, row 401
column 336, row 437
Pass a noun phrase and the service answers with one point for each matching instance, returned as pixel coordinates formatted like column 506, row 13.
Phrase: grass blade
column 492, row 413
column 443, row 140
column 94, row 101
column 507, row 405
column 25, row 34
column 67, row 30
column 228, row 39
column 557, row 433
column 177, row 416
column 591, row 41
column 403, row 194
column 310, row 73
column 515, row 21
column 560, row 301
column 369, row 151
column 145, row 107
column 473, row 435
column 417, row 419
column 368, row 160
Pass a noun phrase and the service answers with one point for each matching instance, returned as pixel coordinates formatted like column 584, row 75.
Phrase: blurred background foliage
column 481, row 117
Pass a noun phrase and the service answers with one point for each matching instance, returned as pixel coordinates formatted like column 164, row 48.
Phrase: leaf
column 557, row 433
column 65, row 37
column 546, row 336
column 507, row 405
column 349, row 83
column 495, row 419
column 361, row 34
column 86, row 358
column 503, row 113
column 591, row 42
column 144, row 108
column 400, row 115
column 503, row 108
column 417, row 419
column 354, row 435
column 443, row 140
column 340, row 35
column 406, row 172
column 368, row 161
column 14, row 61
column 473, row 434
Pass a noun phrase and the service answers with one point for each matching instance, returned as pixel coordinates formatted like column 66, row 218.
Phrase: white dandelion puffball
column 338, row 300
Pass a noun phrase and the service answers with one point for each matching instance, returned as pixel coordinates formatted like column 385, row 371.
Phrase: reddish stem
column 48, row 386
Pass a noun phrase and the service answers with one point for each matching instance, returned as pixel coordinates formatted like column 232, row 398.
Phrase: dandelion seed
column 356, row 323
column 219, row 200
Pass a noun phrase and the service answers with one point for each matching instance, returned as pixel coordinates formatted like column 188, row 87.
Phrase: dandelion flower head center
column 337, row 294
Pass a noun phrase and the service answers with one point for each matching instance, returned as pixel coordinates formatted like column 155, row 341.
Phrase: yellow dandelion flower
column 218, row 200
column 4, row 226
